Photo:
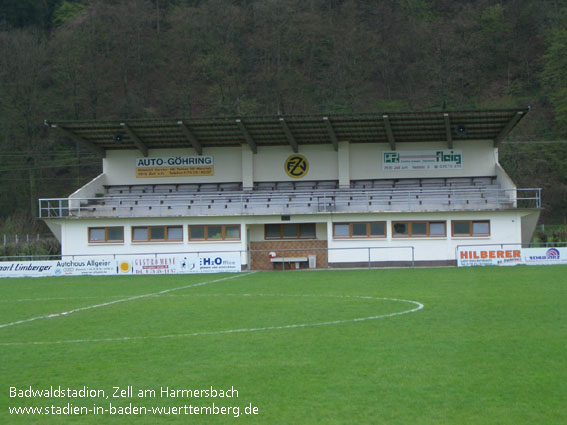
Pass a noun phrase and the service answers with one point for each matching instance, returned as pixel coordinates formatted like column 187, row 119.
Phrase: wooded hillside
column 95, row 59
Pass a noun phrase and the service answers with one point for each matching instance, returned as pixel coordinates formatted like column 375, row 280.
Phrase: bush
column 36, row 249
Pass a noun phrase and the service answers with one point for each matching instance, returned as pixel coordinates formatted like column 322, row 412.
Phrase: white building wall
column 269, row 163
column 120, row 166
column 366, row 160
column 75, row 237
column 505, row 227
column 356, row 161
column 92, row 188
column 75, row 234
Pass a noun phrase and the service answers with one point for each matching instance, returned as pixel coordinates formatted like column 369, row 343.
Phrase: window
column 290, row 231
column 106, row 234
column 214, row 232
column 418, row 229
column 468, row 228
column 157, row 234
column 375, row 229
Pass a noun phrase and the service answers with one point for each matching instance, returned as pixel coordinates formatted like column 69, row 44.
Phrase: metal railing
column 295, row 202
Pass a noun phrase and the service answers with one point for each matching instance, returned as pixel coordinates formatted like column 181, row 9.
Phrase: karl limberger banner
column 488, row 256
column 180, row 264
column 81, row 267
column 422, row 160
column 175, row 166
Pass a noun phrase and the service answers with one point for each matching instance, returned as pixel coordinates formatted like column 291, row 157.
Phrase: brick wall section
column 261, row 260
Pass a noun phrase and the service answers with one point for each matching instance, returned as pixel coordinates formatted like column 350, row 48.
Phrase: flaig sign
column 175, row 166
column 422, row 160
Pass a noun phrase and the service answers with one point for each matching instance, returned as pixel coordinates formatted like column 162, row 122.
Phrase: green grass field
column 488, row 347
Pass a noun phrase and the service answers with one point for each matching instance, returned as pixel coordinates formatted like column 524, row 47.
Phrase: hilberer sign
column 472, row 256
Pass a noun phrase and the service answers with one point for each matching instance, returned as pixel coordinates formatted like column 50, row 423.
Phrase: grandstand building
column 312, row 191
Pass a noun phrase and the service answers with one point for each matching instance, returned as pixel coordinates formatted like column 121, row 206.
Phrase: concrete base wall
column 260, row 260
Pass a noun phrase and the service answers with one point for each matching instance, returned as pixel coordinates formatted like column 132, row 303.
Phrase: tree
column 23, row 74
column 555, row 76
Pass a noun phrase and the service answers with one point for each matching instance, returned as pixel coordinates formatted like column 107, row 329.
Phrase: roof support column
column 344, row 165
column 247, row 167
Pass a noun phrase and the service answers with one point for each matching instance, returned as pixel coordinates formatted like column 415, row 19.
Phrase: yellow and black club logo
column 296, row 166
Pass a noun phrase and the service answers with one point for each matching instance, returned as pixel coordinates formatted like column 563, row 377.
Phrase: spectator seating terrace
column 303, row 197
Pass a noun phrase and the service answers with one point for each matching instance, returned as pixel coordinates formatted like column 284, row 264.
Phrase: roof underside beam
column 194, row 142
column 331, row 132
column 389, row 132
column 137, row 141
column 289, row 135
column 80, row 140
column 507, row 128
column 448, row 131
column 247, row 136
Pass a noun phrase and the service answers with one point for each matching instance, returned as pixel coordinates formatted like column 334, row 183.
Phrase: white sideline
column 135, row 297
column 418, row 307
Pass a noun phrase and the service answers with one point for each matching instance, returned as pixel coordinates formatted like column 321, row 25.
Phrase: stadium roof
column 292, row 130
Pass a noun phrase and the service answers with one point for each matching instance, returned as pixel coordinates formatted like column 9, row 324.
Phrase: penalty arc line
column 122, row 300
column 418, row 307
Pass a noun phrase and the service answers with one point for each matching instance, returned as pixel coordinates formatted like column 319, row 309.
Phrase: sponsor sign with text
column 175, row 166
column 486, row 256
column 82, row 267
column 544, row 256
column 149, row 264
column 472, row 256
column 422, row 160
column 181, row 264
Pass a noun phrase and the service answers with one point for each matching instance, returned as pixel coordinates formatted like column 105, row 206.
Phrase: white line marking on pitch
column 418, row 307
column 106, row 304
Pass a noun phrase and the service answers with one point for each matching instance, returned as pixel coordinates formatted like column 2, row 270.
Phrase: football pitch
column 406, row 346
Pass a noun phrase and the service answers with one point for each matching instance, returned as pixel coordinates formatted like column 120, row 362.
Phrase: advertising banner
column 219, row 263
column 422, row 160
column 80, row 267
column 175, row 166
column 227, row 262
column 544, row 256
column 27, row 268
column 85, row 267
column 180, row 264
column 488, row 256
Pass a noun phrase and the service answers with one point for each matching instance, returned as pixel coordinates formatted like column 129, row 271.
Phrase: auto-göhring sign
column 175, row 166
